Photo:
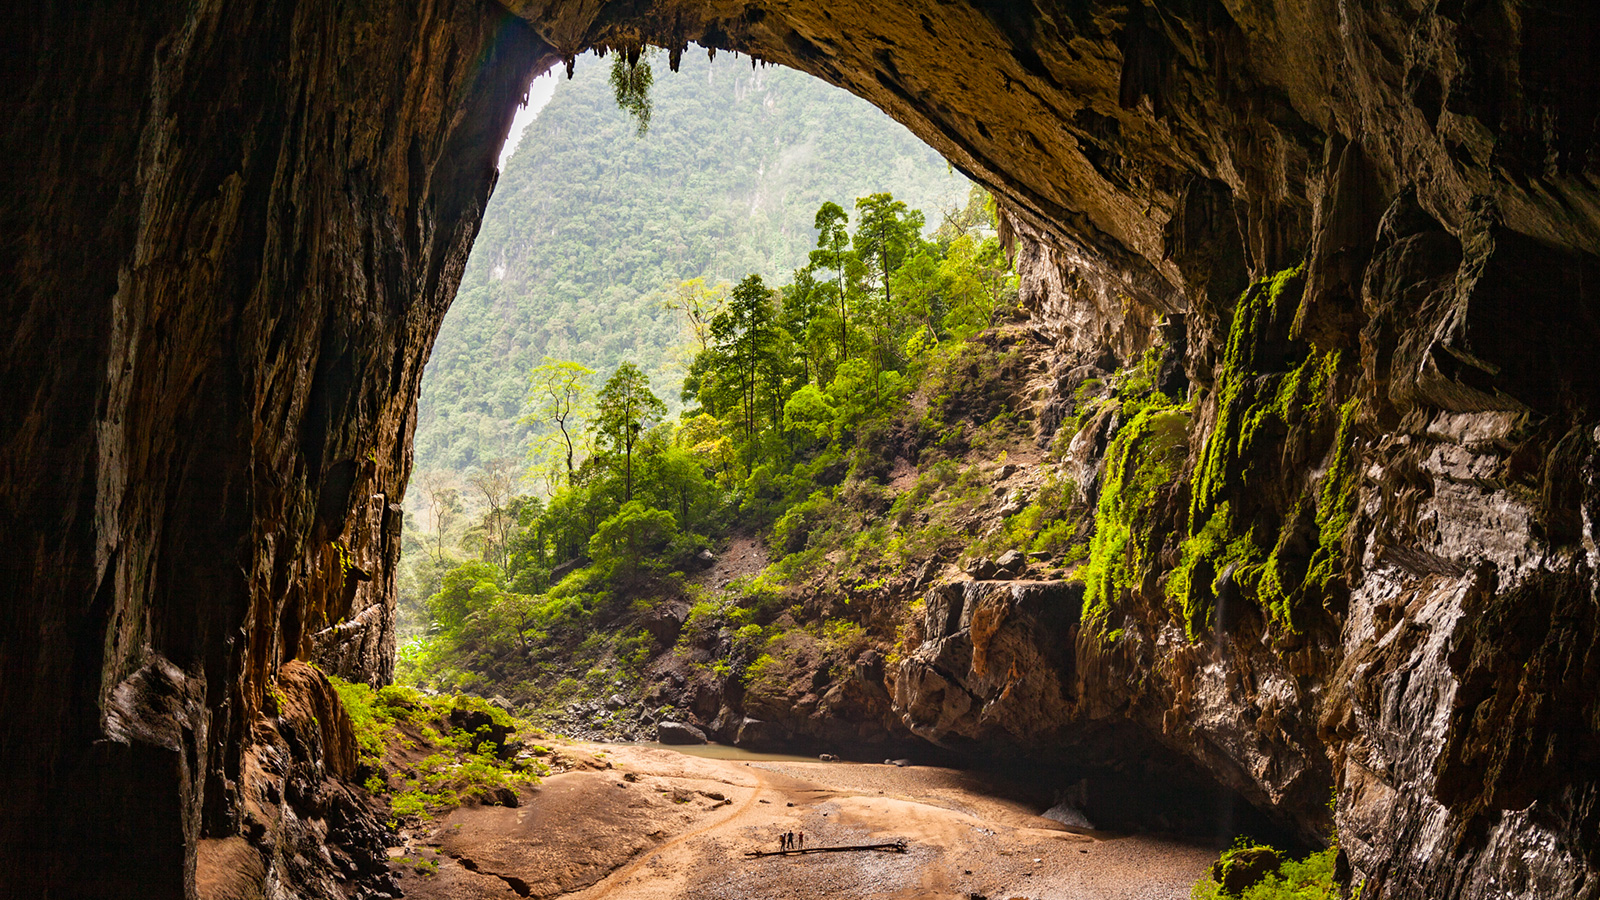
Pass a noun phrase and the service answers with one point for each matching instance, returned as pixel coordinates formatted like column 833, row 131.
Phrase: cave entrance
column 236, row 264
column 599, row 235
column 606, row 242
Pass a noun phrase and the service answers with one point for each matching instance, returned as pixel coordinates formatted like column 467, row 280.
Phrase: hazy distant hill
column 590, row 224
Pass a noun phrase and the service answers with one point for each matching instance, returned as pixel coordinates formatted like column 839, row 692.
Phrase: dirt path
column 661, row 825
column 743, row 556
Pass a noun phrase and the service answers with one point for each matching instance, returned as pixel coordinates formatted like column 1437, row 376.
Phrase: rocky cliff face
column 231, row 233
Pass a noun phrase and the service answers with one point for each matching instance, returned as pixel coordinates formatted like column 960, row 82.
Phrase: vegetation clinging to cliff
column 1311, row 878
column 424, row 755
column 590, row 230
column 1274, row 396
column 793, row 397
column 1141, row 464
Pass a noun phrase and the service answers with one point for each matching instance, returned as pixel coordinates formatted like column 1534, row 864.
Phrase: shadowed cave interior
column 231, row 234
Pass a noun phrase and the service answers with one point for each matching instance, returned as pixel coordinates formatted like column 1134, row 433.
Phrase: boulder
column 1239, row 870
column 665, row 622
column 982, row 569
column 679, row 733
column 759, row 734
column 482, row 727
column 1011, row 564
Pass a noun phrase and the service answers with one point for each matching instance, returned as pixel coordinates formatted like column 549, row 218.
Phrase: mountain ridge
column 659, row 209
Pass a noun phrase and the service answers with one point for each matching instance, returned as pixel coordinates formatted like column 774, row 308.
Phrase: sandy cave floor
column 661, row 825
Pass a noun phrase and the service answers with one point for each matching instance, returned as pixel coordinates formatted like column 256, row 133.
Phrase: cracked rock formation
column 230, row 233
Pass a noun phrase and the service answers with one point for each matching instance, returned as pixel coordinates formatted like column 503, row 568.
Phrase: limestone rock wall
column 231, row 233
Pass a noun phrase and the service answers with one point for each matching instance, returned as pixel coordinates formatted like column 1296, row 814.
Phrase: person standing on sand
column 802, row 840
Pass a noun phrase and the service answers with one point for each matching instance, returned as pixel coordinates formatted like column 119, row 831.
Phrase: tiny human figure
column 802, row 840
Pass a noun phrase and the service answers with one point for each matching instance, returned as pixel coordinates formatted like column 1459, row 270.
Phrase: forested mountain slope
column 591, row 225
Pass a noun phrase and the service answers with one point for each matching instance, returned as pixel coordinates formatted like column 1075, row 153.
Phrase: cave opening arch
column 1127, row 779
column 229, row 255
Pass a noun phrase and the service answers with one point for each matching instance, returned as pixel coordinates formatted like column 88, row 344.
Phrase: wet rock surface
column 231, row 234
column 679, row 733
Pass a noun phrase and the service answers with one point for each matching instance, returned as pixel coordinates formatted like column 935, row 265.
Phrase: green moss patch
column 1250, row 871
column 1277, row 407
column 1143, row 459
column 424, row 755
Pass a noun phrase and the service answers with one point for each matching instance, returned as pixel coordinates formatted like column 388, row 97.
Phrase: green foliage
column 1203, row 559
column 1271, row 392
column 784, row 655
column 624, row 544
column 590, row 230
column 560, row 396
column 1142, row 460
column 370, row 720
column 745, row 367
column 1336, row 498
column 1052, row 524
column 790, row 407
column 1311, row 878
column 626, row 409
column 465, row 589
column 1246, row 403
column 631, row 79
column 392, row 723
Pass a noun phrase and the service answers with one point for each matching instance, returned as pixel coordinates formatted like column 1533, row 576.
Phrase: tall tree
column 444, row 503
column 833, row 250
column 699, row 305
column 886, row 232
column 560, row 395
column 626, row 409
column 496, row 483
column 799, row 315
column 744, row 334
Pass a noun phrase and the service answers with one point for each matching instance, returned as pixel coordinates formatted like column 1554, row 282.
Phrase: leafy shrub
column 1311, row 878
column 462, row 764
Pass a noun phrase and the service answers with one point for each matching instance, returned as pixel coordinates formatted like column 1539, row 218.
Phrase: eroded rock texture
column 231, row 232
